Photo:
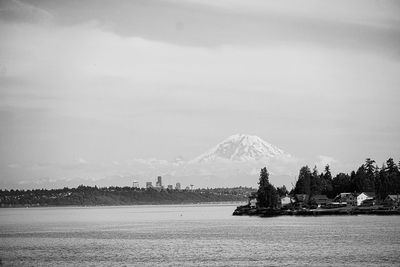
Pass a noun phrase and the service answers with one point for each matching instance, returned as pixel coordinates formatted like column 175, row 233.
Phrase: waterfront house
column 301, row 200
column 392, row 200
column 368, row 202
column 285, row 201
column 320, row 200
column 253, row 200
column 364, row 196
column 346, row 198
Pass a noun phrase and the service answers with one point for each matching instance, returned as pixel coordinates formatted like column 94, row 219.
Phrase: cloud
column 13, row 165
column 18, row 11
column 325, row 160
column 82, row 161
column 368, row 26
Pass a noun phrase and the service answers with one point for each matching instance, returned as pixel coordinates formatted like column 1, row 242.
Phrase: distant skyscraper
column 159, row 182
column 149, row 185
column 178, row 186
column 135, row 184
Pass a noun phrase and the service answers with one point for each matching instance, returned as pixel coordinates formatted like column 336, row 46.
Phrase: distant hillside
column 93, row 196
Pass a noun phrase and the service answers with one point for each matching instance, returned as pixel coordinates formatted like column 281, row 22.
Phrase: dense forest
column 383, row 181
column 368, row 178
column 89, row 196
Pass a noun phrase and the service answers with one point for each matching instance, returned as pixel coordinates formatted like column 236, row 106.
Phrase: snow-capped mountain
column 236, row 161
column 241, row 148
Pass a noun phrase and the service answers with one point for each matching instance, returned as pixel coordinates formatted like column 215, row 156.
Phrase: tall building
column 159, row 182
column 178, row 186
column 135, row 184
column 149, row 185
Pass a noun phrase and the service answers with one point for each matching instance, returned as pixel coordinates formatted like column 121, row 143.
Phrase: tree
column 326, row 182
column 341, row 183
column 315, row 183
column 391, row 166
column 327, row 174
column 303, row 182
column 267, row 195
column 282, row 191
column 388, row 179
column 369, row 166
column 364, row 178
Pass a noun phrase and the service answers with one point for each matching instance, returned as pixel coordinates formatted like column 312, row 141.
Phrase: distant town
column 159, row 185
column 114, row 195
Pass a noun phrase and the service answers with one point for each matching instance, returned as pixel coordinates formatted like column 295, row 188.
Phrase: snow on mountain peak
column 242, row 147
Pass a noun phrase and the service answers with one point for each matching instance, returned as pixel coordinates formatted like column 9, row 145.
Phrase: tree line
column 89, row 196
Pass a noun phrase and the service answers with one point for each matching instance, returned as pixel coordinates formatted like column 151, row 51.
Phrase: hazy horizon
column 87, row 87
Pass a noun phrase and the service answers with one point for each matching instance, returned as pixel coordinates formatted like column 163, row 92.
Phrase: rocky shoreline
column 266, row 212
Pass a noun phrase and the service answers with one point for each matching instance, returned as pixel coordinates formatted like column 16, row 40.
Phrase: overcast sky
column 101, row 82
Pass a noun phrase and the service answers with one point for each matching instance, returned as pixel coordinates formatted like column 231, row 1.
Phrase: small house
column 346, row 198
column 392, row 200
column 253, row 200
column 320, row 200
column 285, row 201
column 364, row 196
column 301, row 200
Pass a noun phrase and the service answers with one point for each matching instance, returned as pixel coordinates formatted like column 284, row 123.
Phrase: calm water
column 195, row 235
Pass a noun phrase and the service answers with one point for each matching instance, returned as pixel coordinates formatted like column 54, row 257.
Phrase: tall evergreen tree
column 262, row 187
column 388, row 180
column 327, row 174
column 267, row 195
column 303, row 182
column 369, row 185
column 381, row 186
column 326, row 182
column 315, row 183
column 365, row 177
column 391, row 166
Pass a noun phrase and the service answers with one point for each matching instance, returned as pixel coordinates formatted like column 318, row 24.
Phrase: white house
column 364, row 196
column 285, row 201
column 253, row 202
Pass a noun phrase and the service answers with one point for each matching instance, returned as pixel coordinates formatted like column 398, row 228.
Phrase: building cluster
column 363, row 199
column 159, row 185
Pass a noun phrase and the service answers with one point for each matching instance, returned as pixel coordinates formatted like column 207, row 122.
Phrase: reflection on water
column 192, row 236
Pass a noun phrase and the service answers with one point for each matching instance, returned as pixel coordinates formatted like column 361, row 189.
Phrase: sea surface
column 192, row 235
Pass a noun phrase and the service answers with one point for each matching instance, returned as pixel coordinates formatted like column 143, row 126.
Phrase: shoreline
column 219, row 203
column 264, row 212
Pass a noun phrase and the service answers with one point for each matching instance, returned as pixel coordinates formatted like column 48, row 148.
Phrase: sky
column 88, row 85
